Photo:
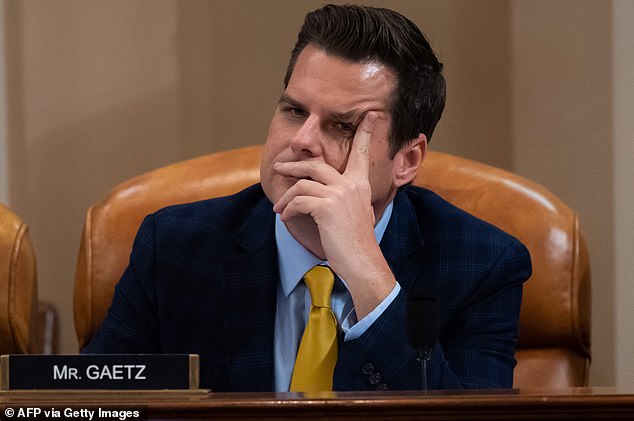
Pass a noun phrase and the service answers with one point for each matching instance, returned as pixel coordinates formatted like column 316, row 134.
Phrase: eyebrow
column 345, row 116
column 287, row 99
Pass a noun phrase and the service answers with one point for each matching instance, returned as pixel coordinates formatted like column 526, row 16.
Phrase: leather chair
column 18, row 286
column 554, row 345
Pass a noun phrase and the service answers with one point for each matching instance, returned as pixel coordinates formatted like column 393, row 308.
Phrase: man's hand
column 341, row 207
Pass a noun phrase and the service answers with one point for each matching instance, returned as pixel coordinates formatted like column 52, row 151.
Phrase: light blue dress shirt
column 293, row 300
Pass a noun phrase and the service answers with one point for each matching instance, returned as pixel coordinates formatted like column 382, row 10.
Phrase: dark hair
column 360, row 34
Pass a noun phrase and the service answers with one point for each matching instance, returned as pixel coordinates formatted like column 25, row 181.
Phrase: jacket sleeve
column 131, row 325
column 478, row 337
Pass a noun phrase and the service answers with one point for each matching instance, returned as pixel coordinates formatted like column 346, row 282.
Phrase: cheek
column 273, row 137
column 381, row 175
column 275, row 141
column 267, row 158
column 336, row 154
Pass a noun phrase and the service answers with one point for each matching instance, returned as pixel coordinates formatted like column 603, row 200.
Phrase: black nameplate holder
column 100, row 371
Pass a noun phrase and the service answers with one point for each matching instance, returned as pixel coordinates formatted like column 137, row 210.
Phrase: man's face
column 316, row 118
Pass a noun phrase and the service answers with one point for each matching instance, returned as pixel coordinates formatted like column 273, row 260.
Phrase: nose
column 306, row 140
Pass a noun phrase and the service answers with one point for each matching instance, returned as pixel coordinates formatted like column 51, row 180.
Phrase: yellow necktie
column 317, row 354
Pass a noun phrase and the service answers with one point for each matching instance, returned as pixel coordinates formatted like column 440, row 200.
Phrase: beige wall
column 562, row 132
column 102, row 90
column 4, row 159
column 623, row 176
column 93, row 97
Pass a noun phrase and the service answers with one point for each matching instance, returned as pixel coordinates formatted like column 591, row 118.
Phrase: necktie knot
column 319, row 281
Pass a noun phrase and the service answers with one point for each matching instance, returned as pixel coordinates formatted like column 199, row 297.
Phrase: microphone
column 422, row 327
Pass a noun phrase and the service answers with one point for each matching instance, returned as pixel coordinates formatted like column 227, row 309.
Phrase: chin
column 275, row 188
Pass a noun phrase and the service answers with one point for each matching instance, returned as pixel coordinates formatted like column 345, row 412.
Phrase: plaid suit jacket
column 203, row 278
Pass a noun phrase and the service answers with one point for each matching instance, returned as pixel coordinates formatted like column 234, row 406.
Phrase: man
column 230, row 279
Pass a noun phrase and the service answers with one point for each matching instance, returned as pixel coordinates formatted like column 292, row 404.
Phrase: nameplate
column 92, row 371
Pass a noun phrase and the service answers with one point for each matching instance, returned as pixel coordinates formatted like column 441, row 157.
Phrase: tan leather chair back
column 554, row 347
column 18, row 285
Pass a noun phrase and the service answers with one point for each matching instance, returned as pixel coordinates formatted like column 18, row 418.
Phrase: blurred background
column 96, row 91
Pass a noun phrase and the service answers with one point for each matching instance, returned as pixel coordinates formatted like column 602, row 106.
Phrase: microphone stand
column 423, row 354
column 422, row 328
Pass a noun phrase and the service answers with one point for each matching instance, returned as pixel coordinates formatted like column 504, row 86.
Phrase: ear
column 408, row 160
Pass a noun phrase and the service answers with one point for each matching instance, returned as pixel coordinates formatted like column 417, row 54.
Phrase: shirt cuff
column 353, row 329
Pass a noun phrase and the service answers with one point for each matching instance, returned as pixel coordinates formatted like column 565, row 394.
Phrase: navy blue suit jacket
column 203, row 279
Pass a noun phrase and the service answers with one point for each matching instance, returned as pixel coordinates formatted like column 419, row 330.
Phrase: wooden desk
column 568, row 404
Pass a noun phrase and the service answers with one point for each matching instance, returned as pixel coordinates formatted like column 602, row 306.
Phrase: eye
column 345, row 128
column 298, row 112
column 295, row 112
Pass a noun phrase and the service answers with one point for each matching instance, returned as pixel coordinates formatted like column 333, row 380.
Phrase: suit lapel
column 402, row 243
column 249, row 293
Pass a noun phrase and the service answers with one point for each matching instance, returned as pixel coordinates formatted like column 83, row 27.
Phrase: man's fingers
column 300, row 205
column 307, row 188
column 313, row 169
column 359, row 158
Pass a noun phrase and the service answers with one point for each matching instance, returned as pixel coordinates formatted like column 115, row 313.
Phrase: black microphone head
column 422, row 319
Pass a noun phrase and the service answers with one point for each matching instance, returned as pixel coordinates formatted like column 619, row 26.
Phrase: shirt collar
column 295, row 260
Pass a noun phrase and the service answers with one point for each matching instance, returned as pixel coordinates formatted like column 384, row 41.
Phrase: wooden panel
column 568, row 404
